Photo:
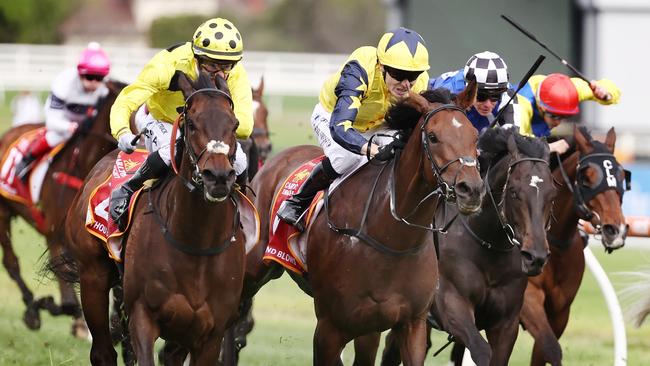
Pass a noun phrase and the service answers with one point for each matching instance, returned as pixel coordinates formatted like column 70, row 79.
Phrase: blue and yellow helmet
column 218, row 39
column 403, row 49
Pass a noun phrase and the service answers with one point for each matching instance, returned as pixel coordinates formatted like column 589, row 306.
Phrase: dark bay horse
column 486, row 258
column 590, row 188
column 384, row 276
column 184, row 256
column 70, row 166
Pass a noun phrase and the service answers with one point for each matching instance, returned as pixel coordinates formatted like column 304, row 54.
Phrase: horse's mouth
column 216, row 194
column 468, row 208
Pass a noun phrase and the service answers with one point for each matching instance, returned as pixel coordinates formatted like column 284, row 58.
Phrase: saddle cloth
column 101, row 225
column 12, row 187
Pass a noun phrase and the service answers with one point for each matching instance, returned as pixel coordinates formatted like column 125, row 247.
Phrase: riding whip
column 523, row 82
column 137, row 137
column 531, row 36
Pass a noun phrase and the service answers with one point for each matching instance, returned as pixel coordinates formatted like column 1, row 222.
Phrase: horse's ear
column 581, row 140
column 221, row 84
column 466, row 98
column 417, row 101
column 185, row 84
column 610, row 140
column 260, row 88
column 512, row 145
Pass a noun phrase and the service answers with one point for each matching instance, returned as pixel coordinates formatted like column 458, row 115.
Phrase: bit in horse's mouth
column 211, row 198
column 468, row 209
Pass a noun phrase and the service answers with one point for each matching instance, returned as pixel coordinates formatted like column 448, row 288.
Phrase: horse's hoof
column 80, row 329
column 32, row 317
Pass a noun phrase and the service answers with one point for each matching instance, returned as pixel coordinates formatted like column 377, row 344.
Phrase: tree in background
column 33, row 21
column 337, row 26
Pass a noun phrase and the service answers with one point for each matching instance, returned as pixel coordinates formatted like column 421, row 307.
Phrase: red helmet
column 93, row 61
column 558, row 95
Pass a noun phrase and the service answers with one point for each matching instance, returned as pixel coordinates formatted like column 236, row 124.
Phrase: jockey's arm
column 242, row 97
column 55, row 119
column 151, row 80
column 349, row 91
column 585, row 91
column 524, row 115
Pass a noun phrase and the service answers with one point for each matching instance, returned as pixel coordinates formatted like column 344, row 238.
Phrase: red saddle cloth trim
column 98, row 219
column 12, row 187
column 278, row 248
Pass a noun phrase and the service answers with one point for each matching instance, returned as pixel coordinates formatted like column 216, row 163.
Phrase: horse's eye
column 433, row 138
column 191, row 127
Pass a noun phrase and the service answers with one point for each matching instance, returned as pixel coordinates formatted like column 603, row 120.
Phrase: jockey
column 546, row 101
column 73, row 97
column 494, row 90
column 351, row 109
column 216, row 48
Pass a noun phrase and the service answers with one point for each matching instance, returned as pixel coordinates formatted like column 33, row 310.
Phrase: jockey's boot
column 153, row 167
column 36, row 149
column 292, row 210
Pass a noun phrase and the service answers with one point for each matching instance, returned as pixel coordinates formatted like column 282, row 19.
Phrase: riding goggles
column 212, row 66
column 493, row 95
column 91, row 77
column 401, row 75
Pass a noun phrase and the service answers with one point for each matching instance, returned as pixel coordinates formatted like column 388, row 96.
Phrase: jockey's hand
column 124, row 143
column 388, row 151
column 559, row 146
column 374, row 149
column 600, row 92
column 72, row 127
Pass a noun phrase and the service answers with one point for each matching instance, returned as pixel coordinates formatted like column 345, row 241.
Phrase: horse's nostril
column 208, row 175
column 527, row 256
column 463, row 189
column 610, row 230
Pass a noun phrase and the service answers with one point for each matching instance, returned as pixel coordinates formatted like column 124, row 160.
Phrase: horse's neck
column 486, row 224
column 566, row 217
column 191, row 218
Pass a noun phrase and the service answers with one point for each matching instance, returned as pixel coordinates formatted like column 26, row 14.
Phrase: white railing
column 33, row 67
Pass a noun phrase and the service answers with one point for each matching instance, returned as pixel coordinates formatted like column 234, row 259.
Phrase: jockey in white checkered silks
column 494, row 90
column 351, row 109
column 215, row 48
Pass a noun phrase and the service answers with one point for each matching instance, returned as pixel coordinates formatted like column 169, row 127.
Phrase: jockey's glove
column 387, row 152
column 124, row 143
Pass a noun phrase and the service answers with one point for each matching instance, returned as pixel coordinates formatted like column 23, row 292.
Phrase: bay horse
column 70, row 166
column 184, row 253
column 383, row 276
column 485, row 259
column 261, row 135
column 590, row 186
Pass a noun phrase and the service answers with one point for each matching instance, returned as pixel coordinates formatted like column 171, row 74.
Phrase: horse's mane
column 404, row 117
column 599, row 147
column 493, row 145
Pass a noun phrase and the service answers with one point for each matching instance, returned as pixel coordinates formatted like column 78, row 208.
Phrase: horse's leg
column 31, row 317
column 391, row 356
column 411, row 338
column 120, row 326
column 534, row 319
column 365, row 349
column 502, row 340
column 457, row 353
column 95, row 285
column 144, row 331
column 172, row 354
column 328, row 343
column 234, row 339
column 208, row 354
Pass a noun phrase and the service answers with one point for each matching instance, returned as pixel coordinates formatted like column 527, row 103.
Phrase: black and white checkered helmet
column 489, row 69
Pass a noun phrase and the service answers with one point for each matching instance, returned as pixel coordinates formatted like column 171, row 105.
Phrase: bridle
column 499, row 208
column 442, row 189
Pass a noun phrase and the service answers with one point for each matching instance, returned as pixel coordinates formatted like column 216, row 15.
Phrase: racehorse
column 261, row 135
column 486, row 258
column 184, row 253
column 70, row 166
column 590, row 186
column 382, row 275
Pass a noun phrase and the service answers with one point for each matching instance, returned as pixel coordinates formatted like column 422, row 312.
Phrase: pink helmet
column 93, row 61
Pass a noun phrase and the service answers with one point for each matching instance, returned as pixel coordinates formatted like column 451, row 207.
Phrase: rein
column 506, row 227
column 442, row 189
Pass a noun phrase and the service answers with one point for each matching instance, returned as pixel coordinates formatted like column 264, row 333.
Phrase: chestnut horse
column 382, row 275
column 591, row 185
column 184, row 252
column 485, row 259
column 70, row 166
column 261, row 135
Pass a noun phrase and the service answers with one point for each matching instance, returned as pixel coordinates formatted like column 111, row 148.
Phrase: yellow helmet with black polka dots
column 403, row 49
column 218, row 39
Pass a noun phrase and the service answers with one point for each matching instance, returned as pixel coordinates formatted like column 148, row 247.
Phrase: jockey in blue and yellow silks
column 351, row 109
column 546, row 101
column 493, row 89
column 216, row 48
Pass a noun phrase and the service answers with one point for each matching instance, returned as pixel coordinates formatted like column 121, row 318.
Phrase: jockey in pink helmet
column 72, row 100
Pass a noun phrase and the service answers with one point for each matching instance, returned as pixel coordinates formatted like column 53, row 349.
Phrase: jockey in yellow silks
column 545, row 101
column 216, row 48
column 351, row 109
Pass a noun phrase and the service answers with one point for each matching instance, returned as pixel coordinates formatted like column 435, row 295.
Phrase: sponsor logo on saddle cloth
column 11, row 187
column 280, row 233
column 98, row 220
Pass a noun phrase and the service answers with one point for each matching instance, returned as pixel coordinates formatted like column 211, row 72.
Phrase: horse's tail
column 63, row 267
column 637, row 296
